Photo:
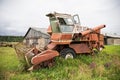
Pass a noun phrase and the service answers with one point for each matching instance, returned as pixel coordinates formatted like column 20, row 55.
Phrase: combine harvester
column 68, row 39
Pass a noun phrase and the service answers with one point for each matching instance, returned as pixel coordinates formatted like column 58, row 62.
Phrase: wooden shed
column 112, row 39
column 36, row 37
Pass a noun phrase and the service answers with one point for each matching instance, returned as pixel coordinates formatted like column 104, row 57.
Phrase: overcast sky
column 16, row 16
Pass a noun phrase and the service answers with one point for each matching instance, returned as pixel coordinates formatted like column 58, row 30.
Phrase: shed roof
column 112, row 36
column 42, row 30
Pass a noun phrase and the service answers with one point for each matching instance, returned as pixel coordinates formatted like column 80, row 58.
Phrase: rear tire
column 68, row 53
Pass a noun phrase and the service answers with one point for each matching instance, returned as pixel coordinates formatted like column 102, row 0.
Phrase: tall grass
column 8, row 62
column 102, row 66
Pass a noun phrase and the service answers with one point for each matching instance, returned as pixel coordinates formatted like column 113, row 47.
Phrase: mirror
column 76, row 19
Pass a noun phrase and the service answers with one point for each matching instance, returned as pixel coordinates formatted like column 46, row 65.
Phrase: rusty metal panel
column 101, row 39
column 44, row 56
column 62, row 42
column 80, row 48
column 66, row 37
column 94, row 37
column 51, row 45
column 55, row 36
column 61, row 36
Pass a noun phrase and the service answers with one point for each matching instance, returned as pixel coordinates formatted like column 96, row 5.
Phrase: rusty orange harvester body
column 68, row 38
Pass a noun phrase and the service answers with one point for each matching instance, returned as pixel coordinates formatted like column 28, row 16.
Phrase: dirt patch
column 107, row 65
column 92, row 65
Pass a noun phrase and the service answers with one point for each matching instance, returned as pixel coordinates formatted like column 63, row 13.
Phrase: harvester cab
column 64, row 23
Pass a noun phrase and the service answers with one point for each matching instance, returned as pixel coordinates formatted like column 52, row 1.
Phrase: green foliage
column 102, row 66
column 11, row 38
column 8, row 62
column 112, row 49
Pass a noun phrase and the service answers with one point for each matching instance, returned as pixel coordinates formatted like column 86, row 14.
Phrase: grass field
column 102, row 66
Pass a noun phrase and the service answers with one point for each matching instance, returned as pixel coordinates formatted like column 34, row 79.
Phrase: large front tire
column 68, row 53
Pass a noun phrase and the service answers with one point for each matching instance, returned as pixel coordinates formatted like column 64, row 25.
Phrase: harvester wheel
column 68, row 53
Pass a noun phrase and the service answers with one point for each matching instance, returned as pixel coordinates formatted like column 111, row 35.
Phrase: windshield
column 66, row 24
column 65, row 21
column 65, row 28
column 69, row 21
